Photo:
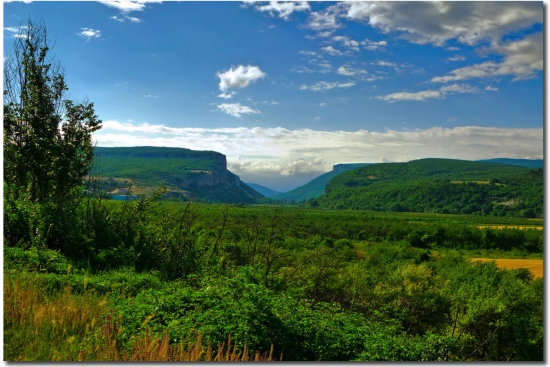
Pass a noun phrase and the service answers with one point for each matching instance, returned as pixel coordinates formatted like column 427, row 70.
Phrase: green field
column 312, row 284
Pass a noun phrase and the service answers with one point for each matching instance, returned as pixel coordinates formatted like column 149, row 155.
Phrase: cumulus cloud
column 227, row 95
column 283, row 9
column 437, row 22
column 239, row 77
column 127, row 6
column 236, row 109
column 90, row 33
column 523, row 59
column 384, row 63
column 332, row 51
column 347, row 42
column 373, row 46
column 326, row 86
column 349, row 71
column 275, row 153
column 491, row 88
column 325, row 20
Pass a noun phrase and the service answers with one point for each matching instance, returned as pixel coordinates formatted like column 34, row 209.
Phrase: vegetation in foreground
column 89, row 279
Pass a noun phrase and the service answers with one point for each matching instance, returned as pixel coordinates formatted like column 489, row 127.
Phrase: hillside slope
column 439, row 185
column 265, row 191
column 201, row 175
column 529, row 163
column 315, row 187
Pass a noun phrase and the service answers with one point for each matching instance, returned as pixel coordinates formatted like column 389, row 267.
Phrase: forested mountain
column 201, row 175
column 315, row 187
column 441, row 186
column 529, row 163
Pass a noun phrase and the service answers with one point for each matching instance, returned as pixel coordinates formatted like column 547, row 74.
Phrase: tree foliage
column 47, row 138
column 48, row 145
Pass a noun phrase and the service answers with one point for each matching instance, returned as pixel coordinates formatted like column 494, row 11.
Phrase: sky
column 288, row 89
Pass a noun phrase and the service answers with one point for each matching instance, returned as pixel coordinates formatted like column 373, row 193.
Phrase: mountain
column 439, row 185
column 316, row 187
column 529, row 163
column 200, row 175
column 265, row 191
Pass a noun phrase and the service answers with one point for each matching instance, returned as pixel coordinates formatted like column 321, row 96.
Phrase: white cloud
column 239, row 77
column 126, row 17
column 283, row 9
column 346, row 70
column 408, row 96
column 452, row 48
column 322, row 104
column 227, row 95
column 437, row 22
column 373, row 46
column 384, row 63
column 332, row 51
column 126, row 6
column 326, row 20
column 347, row 42
column 326, row 86
column 523, row 59
column 459, row 88
column 276, row 153
column 429, row 94
column 457, row 58
column 236, row 109
column 90, row 33
column 150, row 96
column 492, row 89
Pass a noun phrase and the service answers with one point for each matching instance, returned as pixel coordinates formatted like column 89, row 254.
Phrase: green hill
column 441, row 186
column 529, row 163
column 265, row 191
column 201, row 175
column 315, row 187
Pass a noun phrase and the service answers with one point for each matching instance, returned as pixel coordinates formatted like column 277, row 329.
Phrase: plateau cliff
column 201, row 175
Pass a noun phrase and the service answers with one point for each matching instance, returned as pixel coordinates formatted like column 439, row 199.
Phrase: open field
column 535, row 266
column 540, row 228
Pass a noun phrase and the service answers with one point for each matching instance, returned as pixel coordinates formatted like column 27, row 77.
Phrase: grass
column 63, row 326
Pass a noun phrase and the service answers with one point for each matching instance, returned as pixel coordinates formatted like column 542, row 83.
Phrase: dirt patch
column 535, row 266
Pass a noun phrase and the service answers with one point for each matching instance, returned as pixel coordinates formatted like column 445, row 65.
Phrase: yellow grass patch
column 535, row 266
column 540, row 228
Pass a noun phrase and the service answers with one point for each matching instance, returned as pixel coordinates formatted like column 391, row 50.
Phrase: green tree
column 48, row 145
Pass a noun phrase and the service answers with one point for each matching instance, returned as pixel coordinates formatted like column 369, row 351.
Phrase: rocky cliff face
column 201, row 174
column 198, row 178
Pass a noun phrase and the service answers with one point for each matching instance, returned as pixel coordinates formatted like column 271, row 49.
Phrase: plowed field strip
column 535, row 266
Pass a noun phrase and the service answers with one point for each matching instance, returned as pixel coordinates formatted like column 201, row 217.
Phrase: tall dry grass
column 70, row 327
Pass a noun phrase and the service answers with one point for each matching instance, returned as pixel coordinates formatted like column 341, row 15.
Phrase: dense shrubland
column 316, row 284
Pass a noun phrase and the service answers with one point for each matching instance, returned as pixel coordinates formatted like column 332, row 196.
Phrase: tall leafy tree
column 48, row 144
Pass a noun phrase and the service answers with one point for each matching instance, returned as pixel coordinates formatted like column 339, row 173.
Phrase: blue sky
column 287, row 89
